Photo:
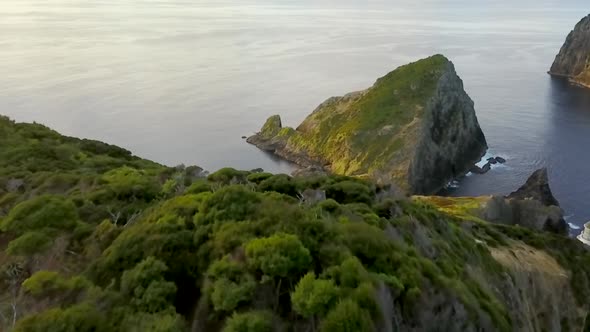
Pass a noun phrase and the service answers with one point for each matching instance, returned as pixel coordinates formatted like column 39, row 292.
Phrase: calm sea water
column 180, row 81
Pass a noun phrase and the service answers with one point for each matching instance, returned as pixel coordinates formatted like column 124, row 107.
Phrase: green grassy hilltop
column 93, row 238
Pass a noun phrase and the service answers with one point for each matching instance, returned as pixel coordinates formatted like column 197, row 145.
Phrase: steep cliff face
column 538, row 290
column 535, row 290
column 573, row 60
column 533, row 281
column 415, row 127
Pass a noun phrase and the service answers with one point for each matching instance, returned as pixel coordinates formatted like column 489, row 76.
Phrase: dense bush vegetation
column 94, row 239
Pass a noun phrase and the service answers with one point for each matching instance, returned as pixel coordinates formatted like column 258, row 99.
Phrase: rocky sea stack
column 415, row 127
column 573, row 60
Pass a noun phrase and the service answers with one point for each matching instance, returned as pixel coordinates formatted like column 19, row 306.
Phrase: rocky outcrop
column 475, row 169
column 532, row 205
column 536, row 188
column 415, row 127
column 573, row 60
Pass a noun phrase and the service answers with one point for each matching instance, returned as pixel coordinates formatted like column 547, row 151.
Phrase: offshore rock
column 415, row 127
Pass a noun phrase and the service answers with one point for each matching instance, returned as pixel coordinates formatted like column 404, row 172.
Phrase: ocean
column 181, row 81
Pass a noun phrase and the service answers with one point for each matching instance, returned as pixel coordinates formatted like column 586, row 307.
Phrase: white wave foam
column 454, row 184
column 489, row 154
column 572, row 226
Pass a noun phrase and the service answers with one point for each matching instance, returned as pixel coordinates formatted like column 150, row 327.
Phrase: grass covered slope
column 135, row 246
column 363, row 130
column 415, row 126
column 35, row 160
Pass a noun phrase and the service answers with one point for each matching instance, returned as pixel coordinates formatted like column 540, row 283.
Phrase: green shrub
column 349, row 192
column 30, row 243
column 78, row 318
column 177, row 210
column 127, row 182
column 228, row 175
column 96, row 147
column 227, row 295
column 347, row 316
column 280, row 183
column 229, row 203
column 168, row 243
column 329, row 205
column 101, row 237
column 279, row 255
column 253, row 321
column 53, row 212
column 198, row 187
column 258, row 177
column 350, row 274
column 170, row 188
column 146, row 287
column 312, row 296
column 50, row 283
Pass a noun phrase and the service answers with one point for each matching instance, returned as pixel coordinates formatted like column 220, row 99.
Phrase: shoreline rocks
column 415, row 127
column 487, row 166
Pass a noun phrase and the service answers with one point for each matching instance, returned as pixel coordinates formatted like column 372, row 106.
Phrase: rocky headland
column 573, row 60
column 415, row 127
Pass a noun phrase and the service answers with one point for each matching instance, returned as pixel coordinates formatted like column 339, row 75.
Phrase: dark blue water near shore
column 568, row 148
column 562, row 144
column 180, row 81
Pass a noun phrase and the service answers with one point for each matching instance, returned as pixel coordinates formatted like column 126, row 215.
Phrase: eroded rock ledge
column 415, row 127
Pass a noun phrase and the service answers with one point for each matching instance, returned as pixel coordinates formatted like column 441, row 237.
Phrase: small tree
column 127, row 182
column 230, row 284
column 347, row 316
column 29, row 244
column 313, row 297
column 146, row 286
column 227, row 294
column 278, row 256
column 350, row 192
column 226, row 176
column 54, row 212
column 79, row 318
